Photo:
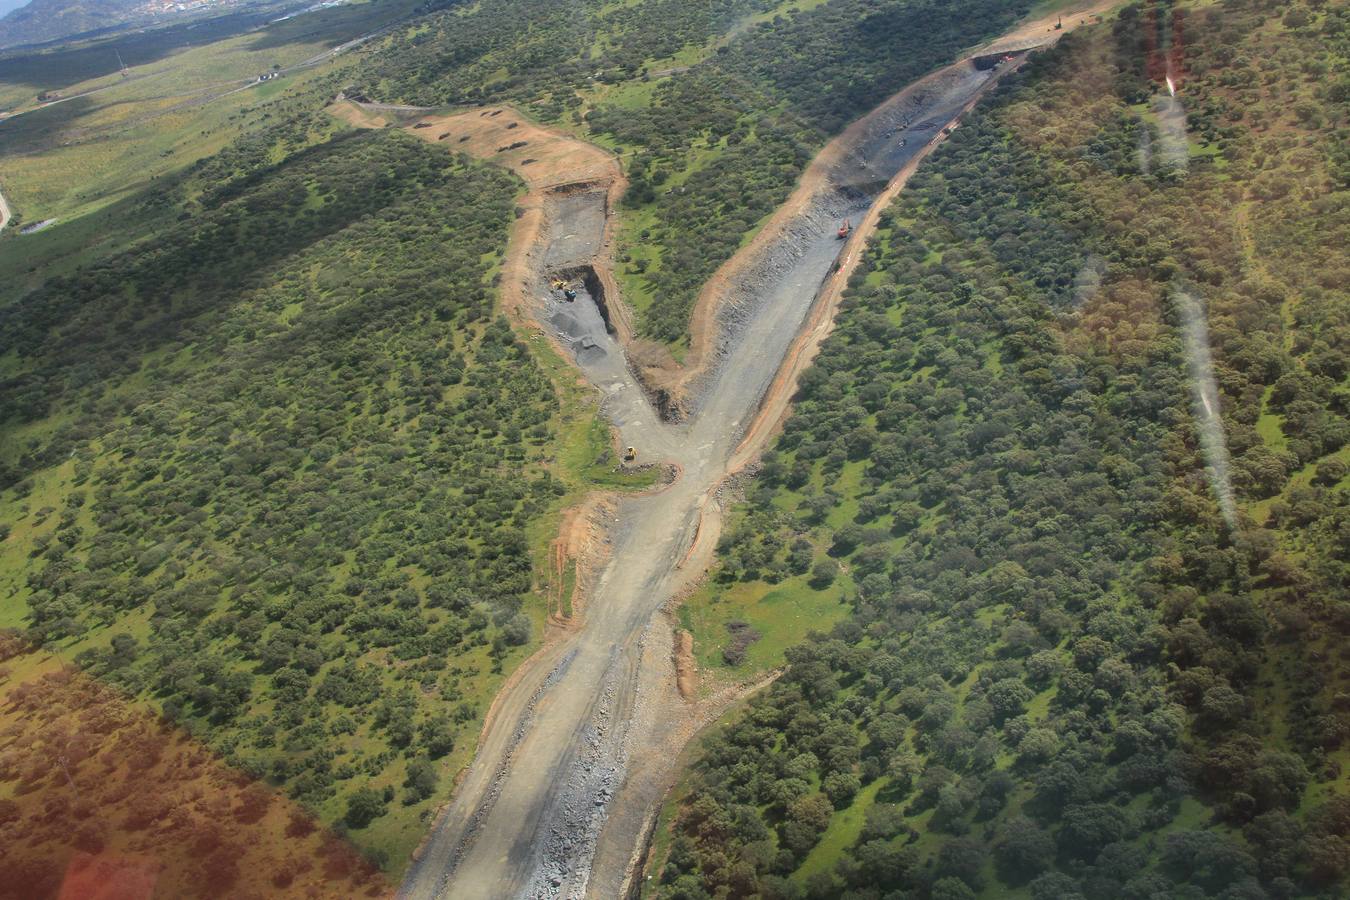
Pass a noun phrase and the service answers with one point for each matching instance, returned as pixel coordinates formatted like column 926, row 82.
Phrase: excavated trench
column 593, row 286
column 564, row 783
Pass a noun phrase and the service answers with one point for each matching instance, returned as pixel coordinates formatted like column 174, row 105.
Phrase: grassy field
column 781, row 614
column 842, row 833
column 181, row 102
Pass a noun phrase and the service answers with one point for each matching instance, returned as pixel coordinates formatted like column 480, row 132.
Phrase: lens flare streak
column 1205, row 390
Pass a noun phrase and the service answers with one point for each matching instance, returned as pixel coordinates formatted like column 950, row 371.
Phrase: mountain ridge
column 40, row 21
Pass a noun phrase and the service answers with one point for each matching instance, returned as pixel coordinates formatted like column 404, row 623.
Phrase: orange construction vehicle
column 844, row 230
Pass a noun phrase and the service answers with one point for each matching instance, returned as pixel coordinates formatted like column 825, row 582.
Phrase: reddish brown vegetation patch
column 99, row 798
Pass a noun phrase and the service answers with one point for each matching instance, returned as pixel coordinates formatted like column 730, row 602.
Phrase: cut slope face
column 542, row 157
column 584, row 742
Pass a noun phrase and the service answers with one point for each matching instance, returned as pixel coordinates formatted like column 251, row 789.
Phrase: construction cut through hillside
column 582, row 742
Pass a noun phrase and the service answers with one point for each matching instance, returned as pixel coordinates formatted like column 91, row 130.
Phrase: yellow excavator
column 567, row 290
column 630, row 454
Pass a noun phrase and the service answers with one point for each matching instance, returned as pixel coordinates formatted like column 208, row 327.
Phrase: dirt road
column 1042, row 31
column 4, row 213
column 580, row 746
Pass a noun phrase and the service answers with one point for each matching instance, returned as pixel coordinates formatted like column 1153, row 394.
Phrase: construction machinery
column 845, row 229
column 630, row 454
column 569, row 293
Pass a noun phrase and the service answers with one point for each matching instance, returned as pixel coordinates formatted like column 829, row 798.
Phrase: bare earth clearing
column 581, row 743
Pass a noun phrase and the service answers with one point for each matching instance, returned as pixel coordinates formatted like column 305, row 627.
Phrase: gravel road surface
column 587, row 731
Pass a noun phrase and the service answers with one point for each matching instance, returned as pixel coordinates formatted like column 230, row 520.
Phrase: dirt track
column 4, row 213
column 581, row 743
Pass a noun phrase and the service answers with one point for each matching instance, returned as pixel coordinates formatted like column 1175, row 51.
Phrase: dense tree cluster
column 720, row 146
column 1063, row 673
column 300, row 458
column 460, row 56
column 717, row 146
column 94, row 778
column 79, row 330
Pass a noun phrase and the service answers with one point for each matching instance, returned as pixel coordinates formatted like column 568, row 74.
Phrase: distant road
column 4, row 212
column 235, row 85
column 67, row 99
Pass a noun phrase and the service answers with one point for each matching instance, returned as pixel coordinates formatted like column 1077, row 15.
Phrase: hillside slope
column 275, row 473
column 268, row 465
column 716, row 108
column 275, row 477
column 43, row 20
column 39, row 21
column 1064, row 672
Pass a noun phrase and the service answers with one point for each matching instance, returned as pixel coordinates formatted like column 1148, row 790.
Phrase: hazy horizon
column 8, row 6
